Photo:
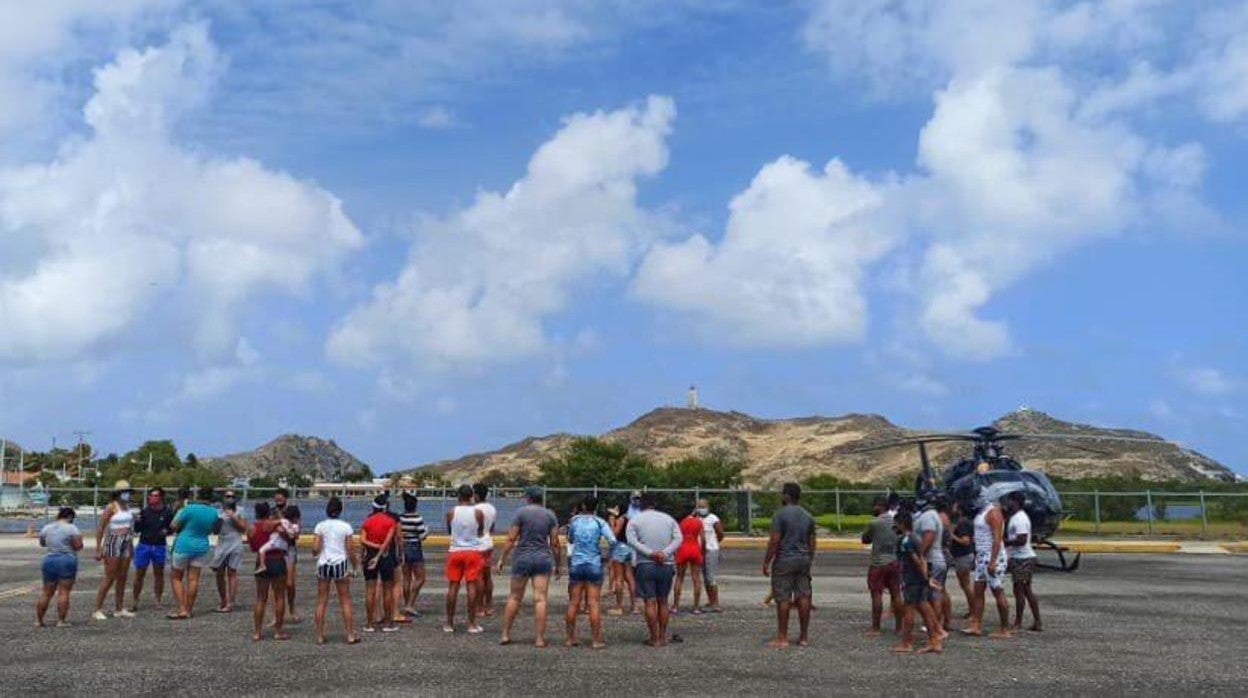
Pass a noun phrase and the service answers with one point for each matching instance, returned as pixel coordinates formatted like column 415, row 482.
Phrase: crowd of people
column 638, row 553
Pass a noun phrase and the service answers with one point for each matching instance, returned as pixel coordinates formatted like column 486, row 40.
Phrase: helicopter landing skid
column 1062, row 565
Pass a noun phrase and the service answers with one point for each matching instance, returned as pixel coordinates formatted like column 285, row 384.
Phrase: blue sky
column 424, row 229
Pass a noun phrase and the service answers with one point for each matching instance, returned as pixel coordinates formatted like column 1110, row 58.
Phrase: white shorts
column 994, row 581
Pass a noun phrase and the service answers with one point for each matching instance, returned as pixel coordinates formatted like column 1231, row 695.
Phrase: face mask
column 124, row 497
column 702, row 512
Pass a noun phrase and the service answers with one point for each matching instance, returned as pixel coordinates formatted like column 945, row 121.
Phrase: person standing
column 689, row 559
column 990, row 564
column 654, row 537
column 712, row 536
column 962, row 547
column 229, row 553
column 193, row 523
column 485, row 600
column 918, row 587
column 466, row 525
column 114, row 546
column 930, row 531
column 377, row 535
column 621, row 564
column 791, row 548
column 534, row 535
column 154, row 525
column 63, row 540
column 332, row 546
column 1022, row 558
column 414, row 532
column 271, row 577
column 884, row 572
column 585, row 532
column 290, row 512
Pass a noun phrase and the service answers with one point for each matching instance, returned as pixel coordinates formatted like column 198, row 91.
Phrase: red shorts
column 684, row 555
column 884, row 578
column 464, row 565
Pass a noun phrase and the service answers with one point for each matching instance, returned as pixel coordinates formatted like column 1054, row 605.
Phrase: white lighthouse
column 693, row 397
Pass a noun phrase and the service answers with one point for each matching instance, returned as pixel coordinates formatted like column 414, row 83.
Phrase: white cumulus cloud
column 480, row 281
column 788, row 269
column 125, row 219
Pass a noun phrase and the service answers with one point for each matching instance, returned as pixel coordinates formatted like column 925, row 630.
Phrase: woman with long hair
column 114, row 546
column 334, row 553
column 689, row 559
column 272, row 578
column 621, row 564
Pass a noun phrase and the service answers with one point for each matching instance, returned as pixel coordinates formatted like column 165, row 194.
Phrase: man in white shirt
column 485, row 601
column 713, row 534
column 1022, row 558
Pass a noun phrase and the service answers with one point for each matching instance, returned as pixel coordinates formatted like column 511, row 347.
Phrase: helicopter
column 989, row 473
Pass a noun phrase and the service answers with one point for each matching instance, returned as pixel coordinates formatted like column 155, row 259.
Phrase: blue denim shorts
column 413, row 553
column 531, row 566
column 586, row 573
column 60, row 567
column 654, row 581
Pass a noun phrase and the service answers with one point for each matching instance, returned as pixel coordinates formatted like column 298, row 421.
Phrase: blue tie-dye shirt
column 584, row 533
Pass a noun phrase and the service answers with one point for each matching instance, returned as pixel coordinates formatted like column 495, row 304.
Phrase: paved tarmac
column 1124, row 623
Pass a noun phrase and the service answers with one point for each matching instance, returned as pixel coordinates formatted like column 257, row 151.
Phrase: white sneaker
column 99, row 615
column 123, row 613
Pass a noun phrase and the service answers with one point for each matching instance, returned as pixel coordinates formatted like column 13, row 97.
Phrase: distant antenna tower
column 693, row 397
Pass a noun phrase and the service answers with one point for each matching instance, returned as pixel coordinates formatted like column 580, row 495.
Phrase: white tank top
column 464, row 528
column 489, row 513
column 122, row 521
column 983, row 534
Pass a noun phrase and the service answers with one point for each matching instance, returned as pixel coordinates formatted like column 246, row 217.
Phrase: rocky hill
column 319, row 459
column 795, row 449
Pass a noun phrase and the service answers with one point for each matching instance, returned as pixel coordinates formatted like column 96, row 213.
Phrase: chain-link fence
column 743, row 511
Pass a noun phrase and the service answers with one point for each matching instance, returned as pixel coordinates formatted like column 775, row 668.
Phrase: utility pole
column 149, row 461
column 21, row 476
column 80, row 434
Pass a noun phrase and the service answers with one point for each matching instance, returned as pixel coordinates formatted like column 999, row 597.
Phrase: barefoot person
column 585, row 533
column 689, row 559
column 193, row 523
column 114, row 546
column 789, row 562
column 990, row 563
column 534, row 535
column 1022, row 558
column 654, row 537
column 622, row 564
column 930, row 532
column 884, row 572
column 466, row 524
column 154, row 525
column 377, row 535
column 962, row 547
column 334, row 554
column 414, row 532
column 712, row 536
column 228, row 556
column 918, row 586
column 272, row 581
column 291, row 513
column 485, row 596
column 63, row 540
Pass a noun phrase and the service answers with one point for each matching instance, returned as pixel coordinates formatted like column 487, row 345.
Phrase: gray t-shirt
column 883, row 540
column 536, row 523
column 653, row 531
column 795, row 526
column 929, row 521
column 58, row 537
column 229, row 537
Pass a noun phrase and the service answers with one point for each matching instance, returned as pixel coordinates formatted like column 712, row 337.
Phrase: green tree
column 714, row 470
column 163, row 456
column 588, row 462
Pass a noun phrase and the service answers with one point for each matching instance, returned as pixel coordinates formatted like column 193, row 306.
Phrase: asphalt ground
column 1162, row 624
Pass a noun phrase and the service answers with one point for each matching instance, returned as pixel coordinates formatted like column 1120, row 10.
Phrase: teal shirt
column 196, row 521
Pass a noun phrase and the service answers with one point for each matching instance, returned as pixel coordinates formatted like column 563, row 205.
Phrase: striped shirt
column 413, row 527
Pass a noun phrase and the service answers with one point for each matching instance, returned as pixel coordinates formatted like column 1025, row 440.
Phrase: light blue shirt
column 584, row 532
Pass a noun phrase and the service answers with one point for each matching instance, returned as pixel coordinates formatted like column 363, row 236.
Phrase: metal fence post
column 95, row 503
column 544, row 488
column 1149, row 495
column 1096, row 506
column 1204, row 515
column 749, row 513
column 838, row 509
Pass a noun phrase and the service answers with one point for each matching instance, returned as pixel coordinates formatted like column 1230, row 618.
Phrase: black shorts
column 274, row 567
column 384, row 568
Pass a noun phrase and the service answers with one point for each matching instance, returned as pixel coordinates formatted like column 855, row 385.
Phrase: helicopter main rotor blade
column 912, row 441
column 1089, row 437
